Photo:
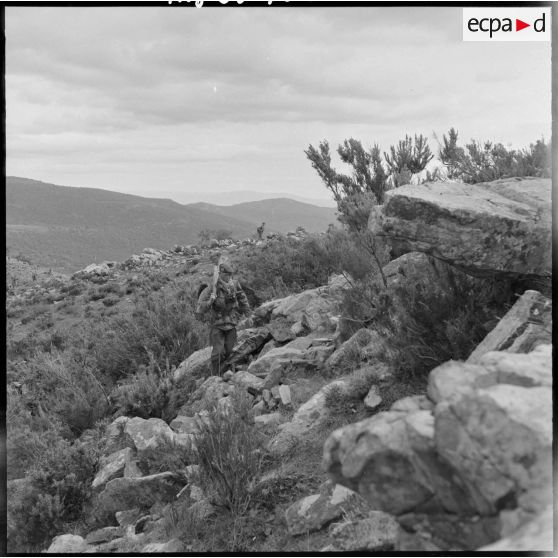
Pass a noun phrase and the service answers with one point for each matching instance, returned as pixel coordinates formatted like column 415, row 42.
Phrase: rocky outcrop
column 484, row 449
column 501, row 227
column 309, row 311
column 527, row 324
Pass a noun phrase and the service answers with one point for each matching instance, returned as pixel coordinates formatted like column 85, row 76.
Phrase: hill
column 280, row 214
column 66, row 228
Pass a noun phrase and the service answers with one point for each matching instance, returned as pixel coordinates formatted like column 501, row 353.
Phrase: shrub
column 229, row 451
column 59, row 489
column 163, row 328
column 64, row 388
column 486, row 161
column 443, row 322
column 111, row 300
column 152, row 392
column 282, row 267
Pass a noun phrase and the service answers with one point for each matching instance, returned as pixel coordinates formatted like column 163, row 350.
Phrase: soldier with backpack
column 224, row 302
column 260, row 231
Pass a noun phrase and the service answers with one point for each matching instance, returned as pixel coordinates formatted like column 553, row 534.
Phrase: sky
column 174, row 101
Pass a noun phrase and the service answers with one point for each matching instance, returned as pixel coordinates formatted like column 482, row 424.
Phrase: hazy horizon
column 174, row 101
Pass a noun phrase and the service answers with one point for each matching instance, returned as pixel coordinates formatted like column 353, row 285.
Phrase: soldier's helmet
column 225, row 268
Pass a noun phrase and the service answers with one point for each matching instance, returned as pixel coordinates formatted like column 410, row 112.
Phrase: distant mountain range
column 66, row 228
column 235, row 197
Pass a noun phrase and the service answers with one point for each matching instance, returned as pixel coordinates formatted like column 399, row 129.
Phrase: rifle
column 215, row 277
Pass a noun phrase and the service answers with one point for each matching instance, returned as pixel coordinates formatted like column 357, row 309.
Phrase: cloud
column 226, row 94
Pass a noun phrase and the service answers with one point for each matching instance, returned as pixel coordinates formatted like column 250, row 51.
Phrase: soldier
column 225, row 302
column 260, row 231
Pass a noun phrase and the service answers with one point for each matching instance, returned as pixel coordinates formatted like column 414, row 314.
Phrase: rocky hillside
column 314, row 439
column 281, row 214
column 65, row 228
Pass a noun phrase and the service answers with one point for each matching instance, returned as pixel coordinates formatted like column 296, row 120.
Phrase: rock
column 227, row 375
column 535, row 536
column 364, row 345
column 115, row 430
column 69, row 544
column 194, row 364
column 285, row 394
column 174, row 545
column 527, row 324
column 483, row 450
column 249, row 341
column 258, row 409
column 378, row 532
column 148, row 434
column 311, row 309
column 309, row 417
column 314, row 512
column 208, row 394
column 271, row 419
column 281, row 330
column 184, row 425
column 399, row 449
column 373, row 399
column 298, row 329
column 268, row 347
column 412, row 404
column 126, row 493
column 527, row 370
column 111, row 467
column 452, row 532
column 495, row 367
column 501, row 227
column 247, row 381
column 132, row 470
column 127, row 517
column 104, row 535
column 501, row 449
column 281, row 355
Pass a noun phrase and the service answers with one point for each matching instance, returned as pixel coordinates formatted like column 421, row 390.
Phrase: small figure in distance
column 260, row 231
column 225, row 301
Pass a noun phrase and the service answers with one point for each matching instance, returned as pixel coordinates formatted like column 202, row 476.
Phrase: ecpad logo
column 506, row 24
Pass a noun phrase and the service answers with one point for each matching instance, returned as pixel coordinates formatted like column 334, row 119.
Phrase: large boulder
column 390, row 459
column 527, row 324
column 501, row 227
column 482, row 446
column 499, row 442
